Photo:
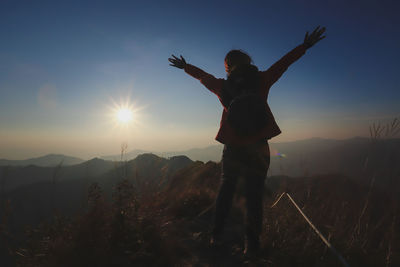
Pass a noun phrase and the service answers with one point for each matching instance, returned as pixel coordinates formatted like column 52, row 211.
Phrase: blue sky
column 65, row 65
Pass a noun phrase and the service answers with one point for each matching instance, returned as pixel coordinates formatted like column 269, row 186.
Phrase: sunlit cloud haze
column 63, row 66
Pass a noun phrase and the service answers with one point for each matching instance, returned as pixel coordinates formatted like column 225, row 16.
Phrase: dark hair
column 237, row 57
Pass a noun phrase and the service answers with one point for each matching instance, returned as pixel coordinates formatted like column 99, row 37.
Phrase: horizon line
column 176, row 151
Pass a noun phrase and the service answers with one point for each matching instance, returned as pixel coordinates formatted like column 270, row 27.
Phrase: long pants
column 251, row 162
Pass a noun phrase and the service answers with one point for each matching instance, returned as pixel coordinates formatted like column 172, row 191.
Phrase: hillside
column 12, row 177
column 158, row 212
column 36, row 193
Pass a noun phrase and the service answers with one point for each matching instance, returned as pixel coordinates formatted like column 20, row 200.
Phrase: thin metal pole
column 329, row 245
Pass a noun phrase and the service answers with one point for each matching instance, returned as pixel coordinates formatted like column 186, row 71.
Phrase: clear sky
column 65, row 66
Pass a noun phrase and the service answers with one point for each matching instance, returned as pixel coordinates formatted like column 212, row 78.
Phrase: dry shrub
column 105, row 235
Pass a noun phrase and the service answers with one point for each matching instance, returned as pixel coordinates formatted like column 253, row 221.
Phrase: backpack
column 246, row 110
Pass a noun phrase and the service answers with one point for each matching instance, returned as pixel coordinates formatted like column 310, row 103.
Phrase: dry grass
column 166, row 226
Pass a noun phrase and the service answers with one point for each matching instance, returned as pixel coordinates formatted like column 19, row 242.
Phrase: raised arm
column 271, row 75
column 208, row 80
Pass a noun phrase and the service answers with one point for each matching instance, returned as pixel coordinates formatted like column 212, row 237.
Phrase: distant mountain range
column 297, row 158
column 126, row 156
column 36, row 191
column 44, row 161
column 353, row 157
column 205, row 154
column 16, row 176
column 307, row 157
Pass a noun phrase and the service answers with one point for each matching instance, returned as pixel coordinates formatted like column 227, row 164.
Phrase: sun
column 124, row 115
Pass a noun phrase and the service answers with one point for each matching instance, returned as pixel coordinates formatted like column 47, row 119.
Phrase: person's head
column 235, row 58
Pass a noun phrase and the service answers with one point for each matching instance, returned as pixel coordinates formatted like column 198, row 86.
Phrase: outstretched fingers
column 173, row 60
column 183, row 60
column 321, row 31
column 306, row 36
column 177, row 62
column 314, row 37
column 318, row 32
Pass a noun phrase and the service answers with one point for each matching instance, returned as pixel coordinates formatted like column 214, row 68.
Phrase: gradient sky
column 65, row 65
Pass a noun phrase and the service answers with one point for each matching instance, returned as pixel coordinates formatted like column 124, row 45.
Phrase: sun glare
column 124, row 115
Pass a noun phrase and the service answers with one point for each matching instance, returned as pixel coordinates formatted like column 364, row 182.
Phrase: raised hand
column 314, row 37
column 176, row 62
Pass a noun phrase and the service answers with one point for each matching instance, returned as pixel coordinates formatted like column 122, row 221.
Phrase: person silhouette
column 247, row 155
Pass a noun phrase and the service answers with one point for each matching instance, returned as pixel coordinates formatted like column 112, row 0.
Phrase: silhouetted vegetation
column 165, row 221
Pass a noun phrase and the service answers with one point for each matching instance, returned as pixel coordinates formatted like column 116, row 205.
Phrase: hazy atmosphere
column 199, row 133
column 68, row 69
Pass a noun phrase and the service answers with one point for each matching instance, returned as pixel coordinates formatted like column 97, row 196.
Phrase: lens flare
column 281, row 155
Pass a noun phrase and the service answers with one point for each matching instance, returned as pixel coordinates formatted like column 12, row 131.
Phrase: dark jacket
column 226, row 134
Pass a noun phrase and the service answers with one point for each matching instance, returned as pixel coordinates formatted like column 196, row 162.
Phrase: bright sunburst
column 124, row 115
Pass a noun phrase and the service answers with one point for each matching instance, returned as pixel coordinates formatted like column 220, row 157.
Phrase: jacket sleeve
column 271, row 75
column 209, row 81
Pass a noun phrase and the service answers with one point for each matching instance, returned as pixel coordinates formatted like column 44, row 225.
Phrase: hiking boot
column 215, row 241
column 251, row 249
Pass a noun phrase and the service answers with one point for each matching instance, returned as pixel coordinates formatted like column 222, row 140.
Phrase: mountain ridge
column 47, row 160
